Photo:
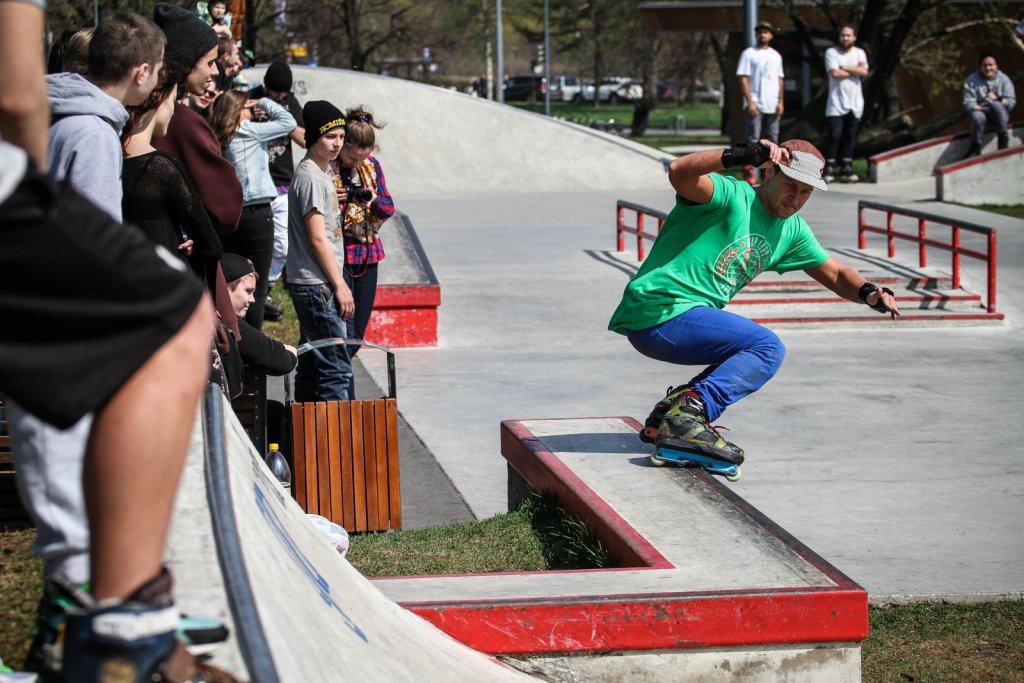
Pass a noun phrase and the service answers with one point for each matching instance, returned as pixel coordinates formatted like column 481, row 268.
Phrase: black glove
column 866, row 289
column 746, row 155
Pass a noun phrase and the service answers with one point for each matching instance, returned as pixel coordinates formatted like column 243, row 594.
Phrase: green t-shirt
column 706, row 253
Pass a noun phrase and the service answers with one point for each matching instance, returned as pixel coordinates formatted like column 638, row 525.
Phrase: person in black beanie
column 255, row 348
column 277, row 85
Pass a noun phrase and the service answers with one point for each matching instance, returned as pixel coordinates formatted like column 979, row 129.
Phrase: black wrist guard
column 745, row 155
column 866, row 289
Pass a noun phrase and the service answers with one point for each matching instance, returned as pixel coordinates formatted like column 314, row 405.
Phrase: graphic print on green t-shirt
column 706, row 253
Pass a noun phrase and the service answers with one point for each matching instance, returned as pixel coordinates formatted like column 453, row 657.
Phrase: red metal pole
column 621, row 236
column 922, row 233
column 993, row 259
column 640, row 237
column 862, row 235
column 956, row 258
column 891, row 238
column 661, row 224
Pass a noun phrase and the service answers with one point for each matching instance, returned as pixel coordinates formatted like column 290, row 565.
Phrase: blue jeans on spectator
column 842, row 137
column 741, row 355
column 995, row 114
column 323, row 374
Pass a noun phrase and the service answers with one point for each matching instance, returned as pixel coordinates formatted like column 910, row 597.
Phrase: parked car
column 564, row 88
column 613, row 90
column 704, row 92
column 524, row 87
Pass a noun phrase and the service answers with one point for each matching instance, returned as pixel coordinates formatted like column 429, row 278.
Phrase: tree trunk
column 649, row 100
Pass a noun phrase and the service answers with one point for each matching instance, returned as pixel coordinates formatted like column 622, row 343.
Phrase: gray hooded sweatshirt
column 85, row 142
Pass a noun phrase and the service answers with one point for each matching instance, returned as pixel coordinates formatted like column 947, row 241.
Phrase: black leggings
column 364, row 290
column 254, row 239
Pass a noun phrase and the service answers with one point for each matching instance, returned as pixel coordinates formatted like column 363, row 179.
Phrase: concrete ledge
column 920, row 159
column 996, row 178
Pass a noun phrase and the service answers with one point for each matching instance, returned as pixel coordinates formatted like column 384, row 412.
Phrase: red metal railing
column 924, row 241
column 621, row 228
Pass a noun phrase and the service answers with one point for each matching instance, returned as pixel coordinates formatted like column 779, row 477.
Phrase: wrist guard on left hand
column 867, row 288
column 746, row 155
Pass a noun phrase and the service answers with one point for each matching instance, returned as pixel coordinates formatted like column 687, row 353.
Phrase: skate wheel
column 734, row 477
column 656, row 461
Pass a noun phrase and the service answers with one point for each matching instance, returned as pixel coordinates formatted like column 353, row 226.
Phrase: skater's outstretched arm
column 688, row 175
column 847, row 283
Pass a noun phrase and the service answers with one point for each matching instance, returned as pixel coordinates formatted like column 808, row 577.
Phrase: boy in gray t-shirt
column 322, row 299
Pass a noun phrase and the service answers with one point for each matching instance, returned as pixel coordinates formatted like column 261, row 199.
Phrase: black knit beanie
column 188, row 36
column 278, row 77
column 320, row 116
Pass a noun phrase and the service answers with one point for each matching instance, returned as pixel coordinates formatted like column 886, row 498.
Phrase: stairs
column 926, row 298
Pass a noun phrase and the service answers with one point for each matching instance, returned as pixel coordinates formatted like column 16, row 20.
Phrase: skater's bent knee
column 772, row 349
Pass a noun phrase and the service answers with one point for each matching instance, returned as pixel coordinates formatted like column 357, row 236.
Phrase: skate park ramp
column 441, row 143
column 242, row 551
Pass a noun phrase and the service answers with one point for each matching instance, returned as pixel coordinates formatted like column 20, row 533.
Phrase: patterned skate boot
column 685, row 427
column 649, row 434
column 132, row 642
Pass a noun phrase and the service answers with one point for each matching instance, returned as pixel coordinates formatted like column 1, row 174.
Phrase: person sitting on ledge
column 989, row 95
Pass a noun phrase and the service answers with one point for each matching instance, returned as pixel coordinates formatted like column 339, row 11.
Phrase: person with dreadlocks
column 367, row 206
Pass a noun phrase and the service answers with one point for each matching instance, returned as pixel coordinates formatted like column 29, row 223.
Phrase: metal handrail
column 621, row 228
column 347, row 341
column 923, row 241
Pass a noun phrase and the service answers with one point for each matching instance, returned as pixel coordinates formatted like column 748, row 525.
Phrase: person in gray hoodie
column 125, row 56
column 989, row 96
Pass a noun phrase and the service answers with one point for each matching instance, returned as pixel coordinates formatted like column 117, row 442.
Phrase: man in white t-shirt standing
column 761, row 80
column 846, row 65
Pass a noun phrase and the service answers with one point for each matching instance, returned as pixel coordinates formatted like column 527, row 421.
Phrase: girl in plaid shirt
column 356, row 173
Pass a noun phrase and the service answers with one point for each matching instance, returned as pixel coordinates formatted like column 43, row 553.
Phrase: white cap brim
column 816, row 182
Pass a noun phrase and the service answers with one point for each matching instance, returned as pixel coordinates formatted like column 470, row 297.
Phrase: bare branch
column 943, row 32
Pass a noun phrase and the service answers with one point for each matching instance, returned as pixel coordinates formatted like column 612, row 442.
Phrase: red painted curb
column 575, row 625
column 984, row 158
column 404, row 316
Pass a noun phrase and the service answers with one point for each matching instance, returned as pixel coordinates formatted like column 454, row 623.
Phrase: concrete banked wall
column 921, row 159
column 443, row 143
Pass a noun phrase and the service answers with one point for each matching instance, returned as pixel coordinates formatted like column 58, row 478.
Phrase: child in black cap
column 322, row 299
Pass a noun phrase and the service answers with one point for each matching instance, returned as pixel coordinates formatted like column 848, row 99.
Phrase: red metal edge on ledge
column 404, row 316
column 973, row 161
column 543, row 470
column 931, row 142
column 651, row 622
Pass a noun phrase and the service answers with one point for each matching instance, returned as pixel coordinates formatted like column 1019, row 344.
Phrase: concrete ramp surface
column 298, row 612
column 440, row 143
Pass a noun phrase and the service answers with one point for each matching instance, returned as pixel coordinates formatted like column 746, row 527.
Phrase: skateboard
column 661, row 456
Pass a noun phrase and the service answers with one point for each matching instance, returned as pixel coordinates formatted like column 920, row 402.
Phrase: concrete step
column 824, row 300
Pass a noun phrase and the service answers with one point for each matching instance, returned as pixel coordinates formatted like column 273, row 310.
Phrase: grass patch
column 21, row 588
column 964, row 643
column 286, row 331
column 538, row 536
column 1012, row 210
column 698, row 115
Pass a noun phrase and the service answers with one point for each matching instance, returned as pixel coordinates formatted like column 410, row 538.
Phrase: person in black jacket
column 256, row 348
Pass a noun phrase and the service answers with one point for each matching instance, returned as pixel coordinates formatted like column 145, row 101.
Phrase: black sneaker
column 272, row 311
column 973, row 151
column 1004, row 140
column 847, row 175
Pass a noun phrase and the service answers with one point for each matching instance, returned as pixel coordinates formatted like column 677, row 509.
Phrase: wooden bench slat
column 358, row 465
column 395, row 489
column 380, row 426
column 323, row 467
column 309, row 422
column 334, row 462
column 348, row 500
column 298, row 455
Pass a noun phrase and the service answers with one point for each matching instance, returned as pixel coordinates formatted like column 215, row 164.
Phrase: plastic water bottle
column 279, row 467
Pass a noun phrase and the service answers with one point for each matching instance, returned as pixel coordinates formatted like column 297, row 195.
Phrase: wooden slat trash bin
column 346, row 456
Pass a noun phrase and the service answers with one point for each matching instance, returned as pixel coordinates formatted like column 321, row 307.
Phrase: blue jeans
column 323, row 374
column 741, row 355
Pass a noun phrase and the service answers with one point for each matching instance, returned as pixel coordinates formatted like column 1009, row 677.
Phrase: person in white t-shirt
column 846, row 66
column 761, row 80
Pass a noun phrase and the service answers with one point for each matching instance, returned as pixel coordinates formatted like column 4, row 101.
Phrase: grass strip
column 286, row 331
column 1012, row 210
column 21, row 588
column 538, row 536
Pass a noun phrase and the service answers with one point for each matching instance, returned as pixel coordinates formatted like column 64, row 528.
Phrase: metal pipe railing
column 338, row 341
column 621, row 228
column 921, row 238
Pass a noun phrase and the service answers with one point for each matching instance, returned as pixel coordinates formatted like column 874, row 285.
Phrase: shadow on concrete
column 594, row 443
column 606, row 258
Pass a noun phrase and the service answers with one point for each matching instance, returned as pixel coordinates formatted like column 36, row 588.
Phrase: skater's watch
column 867, row 288
column 746, row 155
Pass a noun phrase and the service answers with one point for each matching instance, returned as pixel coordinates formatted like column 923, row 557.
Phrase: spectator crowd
column 153, row 125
